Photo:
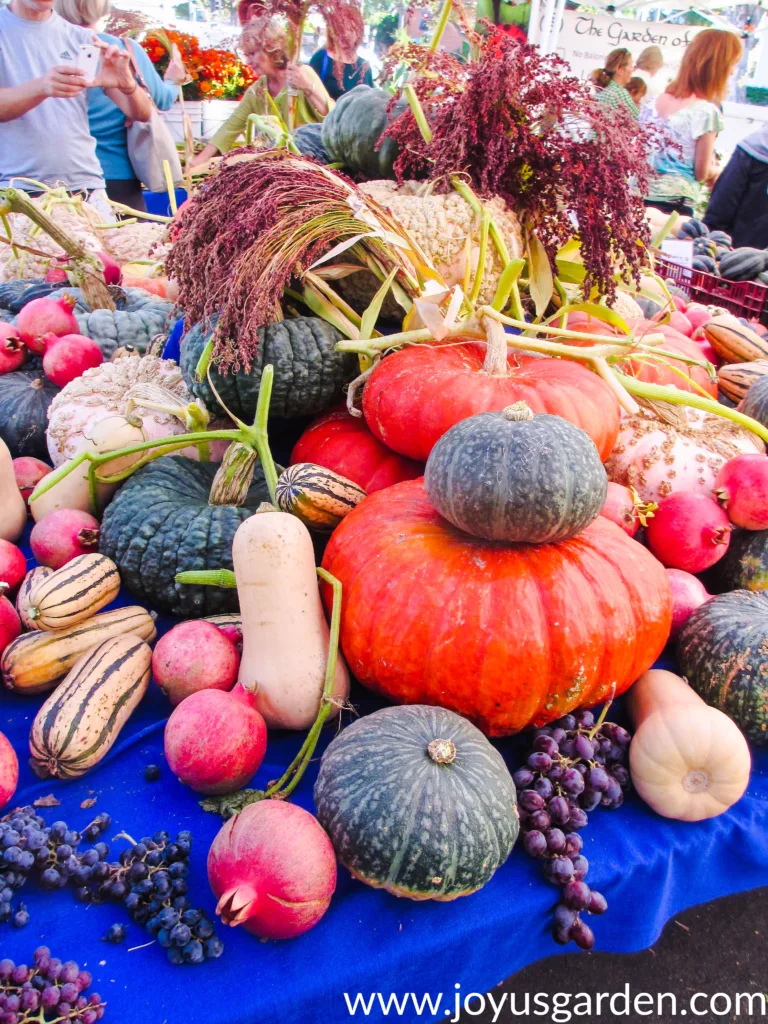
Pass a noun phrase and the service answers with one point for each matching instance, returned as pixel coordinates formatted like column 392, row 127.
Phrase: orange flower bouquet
column 213, row 73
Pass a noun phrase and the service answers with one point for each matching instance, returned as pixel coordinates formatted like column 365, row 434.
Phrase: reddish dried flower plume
column 525, row 130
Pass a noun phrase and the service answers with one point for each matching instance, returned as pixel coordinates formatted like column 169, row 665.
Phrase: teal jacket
column 107, row 121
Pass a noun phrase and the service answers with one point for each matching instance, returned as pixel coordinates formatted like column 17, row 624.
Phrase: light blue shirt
column 107, row 120
column 51, row 142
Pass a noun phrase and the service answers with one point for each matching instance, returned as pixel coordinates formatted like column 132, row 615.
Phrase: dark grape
column 597, row 903
column 580, row 867
column 590, row 799
column 597, row 779
column 545, row 744
column 21, row 917
column 204, row 930
column 175, row 955
column 561, row 870
column 576, row 895
column 584, row 719
column 213, row 948
column 582, row 935
column 180, row 934
column 558, row 810
column 572, row 782
column 534, row 843
column 531, row 800
column 193, row 952
column 564, row 917
column 577, row 818
column 540, row 820
column 583, row 747
column 555, row 840
column 152, row 772
column 115, row 933
column 567, row 722
column 543, row 787
column 621, row 774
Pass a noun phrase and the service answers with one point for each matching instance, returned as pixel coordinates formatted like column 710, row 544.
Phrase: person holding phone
column 44, row 133
column 107, row 119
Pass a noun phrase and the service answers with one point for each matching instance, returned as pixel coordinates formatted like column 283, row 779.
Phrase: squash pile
column 713, row 252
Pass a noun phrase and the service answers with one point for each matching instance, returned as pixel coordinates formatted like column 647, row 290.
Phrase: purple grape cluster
column 576, row 765
column 29, row 846
column 49, row 990
column 150, row 880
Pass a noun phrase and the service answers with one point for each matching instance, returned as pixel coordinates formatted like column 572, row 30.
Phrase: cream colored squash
column 108, row 434
column 13, row 511
column 285, row 633
column 688, row 761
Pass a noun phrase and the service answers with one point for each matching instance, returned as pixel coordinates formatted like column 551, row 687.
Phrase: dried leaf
column 541, row 282
column 46, row 801
column 89, row 802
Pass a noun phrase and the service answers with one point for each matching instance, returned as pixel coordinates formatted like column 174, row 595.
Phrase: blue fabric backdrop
column 647, row 867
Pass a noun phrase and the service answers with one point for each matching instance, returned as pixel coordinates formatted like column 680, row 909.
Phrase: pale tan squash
column 688, row 761
column 285, row 633
column 13, row 511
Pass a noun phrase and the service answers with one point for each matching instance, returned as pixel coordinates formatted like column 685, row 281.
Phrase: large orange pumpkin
column 507, row 636
column 416, row 394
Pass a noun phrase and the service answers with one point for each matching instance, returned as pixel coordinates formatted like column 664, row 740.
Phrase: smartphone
column 88, row 60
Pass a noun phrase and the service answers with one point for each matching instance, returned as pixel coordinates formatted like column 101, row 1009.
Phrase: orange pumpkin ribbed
column 508, row 636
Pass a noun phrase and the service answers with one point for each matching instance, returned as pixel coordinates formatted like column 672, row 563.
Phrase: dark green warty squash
column 418, row 802
column 723, row 653
column 755, row 402
column 138, row 318
column 309, row 372
column 160, row 522
column 309, row 139
column 24, row 399
column 351, row 132
column 744, row 566
column 517, row 477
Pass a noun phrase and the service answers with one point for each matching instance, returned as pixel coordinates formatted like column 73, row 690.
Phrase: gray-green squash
column 352, row 130
column 160, row 523
column 418, row 802
column 138, row 319
column 309, row 373
column 722, row 653
column 517, row 477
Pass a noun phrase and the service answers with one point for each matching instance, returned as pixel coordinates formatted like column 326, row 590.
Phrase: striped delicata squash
column 74, row 592
column 77, row 725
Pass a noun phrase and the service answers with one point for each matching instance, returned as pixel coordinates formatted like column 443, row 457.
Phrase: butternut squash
column 35, row 662
column 13, row 511
column 73, row 491
column 285, row 633
column 74, row 592
column 688, row 761
column 77, row 725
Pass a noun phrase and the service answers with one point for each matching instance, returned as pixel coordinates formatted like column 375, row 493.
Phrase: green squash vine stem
column 283, row 787
column 252, row 437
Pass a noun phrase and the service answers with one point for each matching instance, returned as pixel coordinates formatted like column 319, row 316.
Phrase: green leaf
column 204, row 361
column 570, row 272
column 541, row 283
column 323, row 308
column 371, row 315
column 507, row 281
column 596, row 310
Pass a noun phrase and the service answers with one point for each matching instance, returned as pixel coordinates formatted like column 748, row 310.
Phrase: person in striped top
column 612, row 81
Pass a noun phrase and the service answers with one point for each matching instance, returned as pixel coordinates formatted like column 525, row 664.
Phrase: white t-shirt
column 52, row 142
column 656, row 83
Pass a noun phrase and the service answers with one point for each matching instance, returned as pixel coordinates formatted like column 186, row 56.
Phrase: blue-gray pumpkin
column 418, row 802
column 517, row 477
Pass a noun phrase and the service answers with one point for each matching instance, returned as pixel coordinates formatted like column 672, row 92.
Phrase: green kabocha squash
column 351, row 132
column 24, row 399
column 517, row 477
column 309, row 139
column 418, row 802
column 755, row 402
column 138, row 319
column 743, row 264
column 722, row 653
column 309, row 373
column 161, row 522
column 744, row 566
column 6, row 317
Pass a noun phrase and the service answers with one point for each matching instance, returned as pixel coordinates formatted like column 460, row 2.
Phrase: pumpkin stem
column 442, row 751
column 495, row 364
column 518, row 413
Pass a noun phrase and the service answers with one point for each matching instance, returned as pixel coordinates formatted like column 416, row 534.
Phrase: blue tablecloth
column 647, row 867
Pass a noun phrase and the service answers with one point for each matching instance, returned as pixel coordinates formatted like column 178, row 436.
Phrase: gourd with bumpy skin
column 161, row 522
column 688, row 761
column 516, row 477
column 721, row 652
column 417, row 801
column 352, row 130
column 139, row 317
column 755, row 402
column 744, row 566
column 25, row 396
column 506, row 635
column 309, row 372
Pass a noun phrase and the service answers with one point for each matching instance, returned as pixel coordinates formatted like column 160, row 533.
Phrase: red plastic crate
column 742, row 298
